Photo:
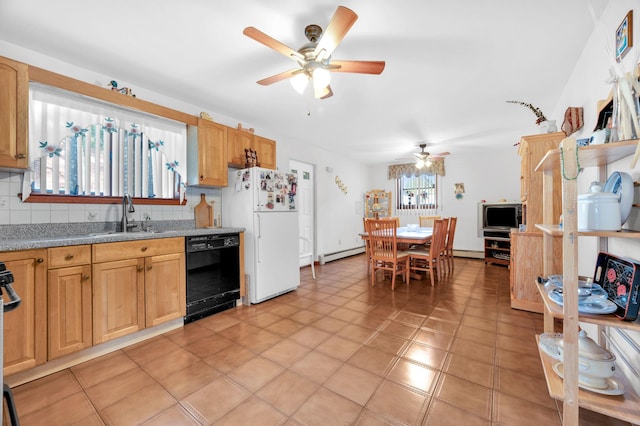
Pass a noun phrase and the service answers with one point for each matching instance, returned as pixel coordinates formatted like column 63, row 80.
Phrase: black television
column 501, row 216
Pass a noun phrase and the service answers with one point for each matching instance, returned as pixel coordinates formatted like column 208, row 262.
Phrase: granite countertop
column 34, row 237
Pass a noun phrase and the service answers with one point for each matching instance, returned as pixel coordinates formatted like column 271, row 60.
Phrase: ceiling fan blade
column 361, row 67
column 278, row 77
column 338, row 27
column 327, row 93
column 272, row 43
column 439, row 154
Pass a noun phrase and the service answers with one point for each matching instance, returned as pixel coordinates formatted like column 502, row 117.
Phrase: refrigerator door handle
column 258, row 237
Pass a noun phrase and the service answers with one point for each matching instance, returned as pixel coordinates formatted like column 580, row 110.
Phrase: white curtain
column 82, row 146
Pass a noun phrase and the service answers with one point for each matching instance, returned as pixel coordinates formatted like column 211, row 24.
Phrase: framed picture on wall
column 624, row 36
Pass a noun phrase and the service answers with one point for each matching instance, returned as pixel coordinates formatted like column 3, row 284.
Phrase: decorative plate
column 621, row 184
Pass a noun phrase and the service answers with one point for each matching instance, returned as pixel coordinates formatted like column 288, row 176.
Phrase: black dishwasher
column 213, row 274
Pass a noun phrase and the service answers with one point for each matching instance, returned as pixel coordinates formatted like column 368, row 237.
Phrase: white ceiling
column 450, row 65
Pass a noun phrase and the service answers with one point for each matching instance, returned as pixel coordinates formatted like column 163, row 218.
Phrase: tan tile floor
column 334, row 352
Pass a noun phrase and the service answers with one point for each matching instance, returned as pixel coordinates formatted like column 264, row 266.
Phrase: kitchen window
column 84, row 147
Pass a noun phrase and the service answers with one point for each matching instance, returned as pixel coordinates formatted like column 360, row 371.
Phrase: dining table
column 411, row 236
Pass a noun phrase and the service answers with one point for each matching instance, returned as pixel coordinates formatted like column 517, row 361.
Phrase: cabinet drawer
column 107, row 252
column 69, row 256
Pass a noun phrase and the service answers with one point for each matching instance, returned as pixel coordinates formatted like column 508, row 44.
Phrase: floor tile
column 464, row 394
column 287, row 392
column 443, row 414
column 112, row 390
column 253, row 411
column 511, row 410
column 414, row 375
column 338, row 347
column 316, row 366
column 226, row 394
column 398, row 403
column 68, row 410
column 470, row 369
column 354, row 383
column 100, row 369
column 325, row 407
column 138, row 407
column 255, row 373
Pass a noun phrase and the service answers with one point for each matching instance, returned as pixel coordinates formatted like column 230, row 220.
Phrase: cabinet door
column 237, row 141
column 14, row 104
column 25, row 330
column 212, row 153
column 69, row 310
column 165, row 288
column 118, row 299
column 266, row 151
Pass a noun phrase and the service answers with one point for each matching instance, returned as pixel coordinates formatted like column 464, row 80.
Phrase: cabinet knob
column 68, row 257
column 150, row 267
column 39, row 260
column 140, row 268
column 201, row 177
column 20, row 156
column 85, row 277
column 144, row 248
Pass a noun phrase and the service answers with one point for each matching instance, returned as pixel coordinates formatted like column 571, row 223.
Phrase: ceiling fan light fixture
column 321, row 78
column 420, row 163
column 299, row 82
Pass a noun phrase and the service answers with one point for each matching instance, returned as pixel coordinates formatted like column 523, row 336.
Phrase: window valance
column 436, row 167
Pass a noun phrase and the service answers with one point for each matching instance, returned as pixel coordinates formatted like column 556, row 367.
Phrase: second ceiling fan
column 314, row 58
column 422, row 157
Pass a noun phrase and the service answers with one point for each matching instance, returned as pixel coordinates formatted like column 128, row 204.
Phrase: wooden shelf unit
column 497, row 250
column 624, row 407
column 627, row 406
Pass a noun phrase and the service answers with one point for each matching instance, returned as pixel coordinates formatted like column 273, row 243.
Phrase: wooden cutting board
column 204, row 213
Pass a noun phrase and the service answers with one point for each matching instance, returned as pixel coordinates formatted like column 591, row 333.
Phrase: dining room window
column 84, row 147
column 417, row 189
column 417, row 192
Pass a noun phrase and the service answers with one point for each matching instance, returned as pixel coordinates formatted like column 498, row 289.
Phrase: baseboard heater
column 469, row 254
column 328, row 257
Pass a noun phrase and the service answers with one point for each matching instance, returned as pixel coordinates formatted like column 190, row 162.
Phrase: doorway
column 306, row 203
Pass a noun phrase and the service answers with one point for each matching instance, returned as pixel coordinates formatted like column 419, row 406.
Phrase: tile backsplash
column 14, row 212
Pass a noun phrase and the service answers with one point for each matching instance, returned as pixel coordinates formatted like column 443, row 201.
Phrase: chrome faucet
column 127, row 207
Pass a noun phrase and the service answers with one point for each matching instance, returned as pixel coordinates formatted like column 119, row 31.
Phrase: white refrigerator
column 263, row 201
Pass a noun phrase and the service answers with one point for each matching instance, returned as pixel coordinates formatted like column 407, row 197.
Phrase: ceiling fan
column 314, row 58
column 423, row 157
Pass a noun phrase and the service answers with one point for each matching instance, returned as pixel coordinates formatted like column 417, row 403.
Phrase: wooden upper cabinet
column 531, row 151
column 237, row 141
column 266, row 151
column 14, row 107
column 207, row 154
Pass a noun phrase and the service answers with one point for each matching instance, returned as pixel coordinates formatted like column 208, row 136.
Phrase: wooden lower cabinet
column 526, row 266
column 25, row 330
column 118, row 299
column 132, row 293
column 165, row 290
column 69, row 310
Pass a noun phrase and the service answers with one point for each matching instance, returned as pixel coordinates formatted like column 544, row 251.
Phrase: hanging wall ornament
column 572, row 120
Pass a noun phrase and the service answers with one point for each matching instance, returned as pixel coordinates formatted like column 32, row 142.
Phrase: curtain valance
column 436, row 167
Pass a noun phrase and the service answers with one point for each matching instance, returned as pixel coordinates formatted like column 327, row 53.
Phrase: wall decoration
column 377, row 203
column 459, row 190
column 624, row 36
column 341, row 185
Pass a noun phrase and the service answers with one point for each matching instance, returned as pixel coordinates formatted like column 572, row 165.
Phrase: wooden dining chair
column 383, row 246
column 430, row 259
column 427, row 221
column 448, row 249
column 367, row 245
